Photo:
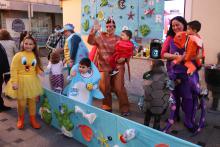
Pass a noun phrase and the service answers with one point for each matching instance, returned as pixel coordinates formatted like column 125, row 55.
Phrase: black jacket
column 4, row 65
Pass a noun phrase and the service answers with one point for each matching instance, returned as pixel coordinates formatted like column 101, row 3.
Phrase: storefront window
column 172, row 8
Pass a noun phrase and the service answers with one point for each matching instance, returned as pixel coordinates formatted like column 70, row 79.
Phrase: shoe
column 34, row 122
column 5, row 108
column 114, row 72
column 125, row 113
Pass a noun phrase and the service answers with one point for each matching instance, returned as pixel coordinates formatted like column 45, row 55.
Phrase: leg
column 170, row 121
column 216, row 97
column 104, row 85
column 32, row 113
column 21, row 109
column 119, row 88
column 156, row 122
column 147, row 117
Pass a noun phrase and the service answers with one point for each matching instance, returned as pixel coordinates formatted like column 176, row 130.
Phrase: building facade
column 37, row 16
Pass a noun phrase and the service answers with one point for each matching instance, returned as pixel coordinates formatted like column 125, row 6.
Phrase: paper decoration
column 90, row 117
column 85, row 25
column 151, row 3
column 121, row 4
column 128, row 135
column 86, row 9
column 100, row 15
column 86, row 132
column 149, row 11
column 158, row 18
column 45, row 111
column 103, row 141
column 63, row 117
column 104, row 3
column 130, row 15
column 144, row 29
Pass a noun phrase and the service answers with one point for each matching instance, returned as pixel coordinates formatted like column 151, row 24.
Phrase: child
column 123, row 49
column 84, row 83
column 24, row 84
column 156, row 93
column 55, row 68
column 193, row 45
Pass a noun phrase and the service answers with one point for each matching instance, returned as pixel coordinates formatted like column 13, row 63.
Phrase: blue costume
column 78, row 89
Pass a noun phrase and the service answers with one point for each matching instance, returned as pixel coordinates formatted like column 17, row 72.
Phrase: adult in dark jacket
column 4, row 70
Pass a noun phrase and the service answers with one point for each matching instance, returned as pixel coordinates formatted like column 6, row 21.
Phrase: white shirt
column 55, row 69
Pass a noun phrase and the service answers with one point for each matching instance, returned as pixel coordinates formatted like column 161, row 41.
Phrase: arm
column 49, row 42
column 92, row 37
column 75, row 40
column 4, row 60
column 165, row 50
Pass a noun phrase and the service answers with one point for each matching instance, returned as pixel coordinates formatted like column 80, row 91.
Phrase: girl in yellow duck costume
column 24, row 84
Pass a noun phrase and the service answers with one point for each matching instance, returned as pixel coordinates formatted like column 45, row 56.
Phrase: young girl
column 55, row 68
column 24, row 84
column 123, row 49
column 156, row 93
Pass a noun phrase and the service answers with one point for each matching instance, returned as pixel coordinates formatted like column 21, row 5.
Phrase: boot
column 34, row 123
column 20, row 123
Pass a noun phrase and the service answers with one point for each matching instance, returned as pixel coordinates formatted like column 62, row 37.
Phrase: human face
column 83, row 69
column 110, row 29
column 124, row 36
column 177, row 26
column 28, row 45
column 190, row 31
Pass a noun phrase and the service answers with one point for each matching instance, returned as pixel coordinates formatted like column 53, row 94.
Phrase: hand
column 71, row 63
column 73, row 73
column 121, row 60
column 96, row 26
column 14, row 86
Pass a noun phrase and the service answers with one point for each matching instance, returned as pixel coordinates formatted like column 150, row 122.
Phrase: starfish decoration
column 149, row 12
column 130, row 15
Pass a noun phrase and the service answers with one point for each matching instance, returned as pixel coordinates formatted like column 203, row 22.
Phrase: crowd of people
column 112, row 52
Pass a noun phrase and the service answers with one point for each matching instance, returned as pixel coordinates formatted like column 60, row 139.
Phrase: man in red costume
column 105, row 42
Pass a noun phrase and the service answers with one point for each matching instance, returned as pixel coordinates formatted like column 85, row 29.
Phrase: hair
column 157, row 64
column 128, row 33
column 5, row 35
column 195, row 25
column 218, row 58
column 35, row 50
column 22, row 35
column 110, row 20
column 86, row 62
column 54, row 57
column 181, row 20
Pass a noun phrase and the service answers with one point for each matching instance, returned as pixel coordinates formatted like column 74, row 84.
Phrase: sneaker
column 114, row 72
column 125, row 113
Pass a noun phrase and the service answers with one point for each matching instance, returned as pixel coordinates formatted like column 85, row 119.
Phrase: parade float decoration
column 106, row 130
column 144, row 16
column 45, row 111
column 63, row 117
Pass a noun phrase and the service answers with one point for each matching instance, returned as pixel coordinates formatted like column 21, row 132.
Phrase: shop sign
column 18, row 25
column 4, row 4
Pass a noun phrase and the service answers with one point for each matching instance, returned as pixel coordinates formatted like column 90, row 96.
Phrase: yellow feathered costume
column 24, row 72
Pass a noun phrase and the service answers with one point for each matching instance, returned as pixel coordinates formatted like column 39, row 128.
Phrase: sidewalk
column 47, row 136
